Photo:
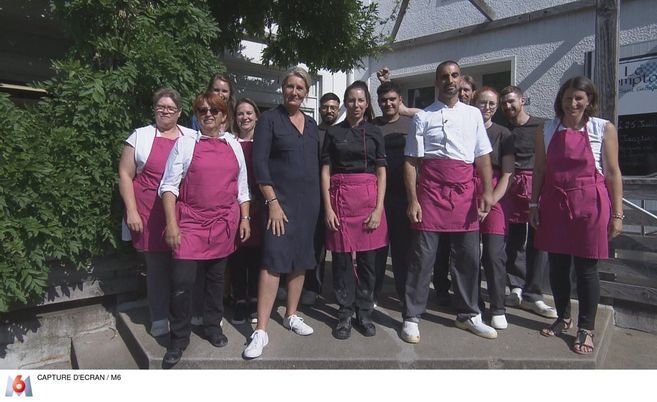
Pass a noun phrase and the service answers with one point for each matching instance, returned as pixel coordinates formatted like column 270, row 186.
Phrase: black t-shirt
column 322, row 133
column 523, row 138
column 501, row 140
column 394, row 137
column 357, row 149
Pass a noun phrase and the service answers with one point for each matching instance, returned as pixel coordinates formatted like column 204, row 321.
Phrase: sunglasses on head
column 204, row 110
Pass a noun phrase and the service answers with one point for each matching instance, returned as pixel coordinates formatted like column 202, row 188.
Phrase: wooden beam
column 621, row 291
column 400, row 17
column 636, row 242
column 484, row 8
column 605, row 68
column 567, row 8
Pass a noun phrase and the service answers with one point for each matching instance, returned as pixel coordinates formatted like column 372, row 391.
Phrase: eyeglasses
column 165, row 109
column 487, row 104
column 204, row 110
column 327, row 107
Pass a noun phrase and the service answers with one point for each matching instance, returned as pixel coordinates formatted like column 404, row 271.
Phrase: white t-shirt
column 452, row 133
column 595, row 128
column 142, row 141
column 181, row 156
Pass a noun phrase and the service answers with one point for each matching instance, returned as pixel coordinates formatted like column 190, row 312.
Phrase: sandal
column 584, row 342
column 557, row 327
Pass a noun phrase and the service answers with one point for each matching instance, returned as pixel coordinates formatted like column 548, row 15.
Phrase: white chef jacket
column 449, row 133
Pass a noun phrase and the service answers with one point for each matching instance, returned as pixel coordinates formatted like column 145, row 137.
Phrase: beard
column 328, row 120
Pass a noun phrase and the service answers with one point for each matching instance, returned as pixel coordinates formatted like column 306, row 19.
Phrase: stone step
column 442, row 346
column 35, row 352
column 632, row 349
column 103, row 349
column 34, row 338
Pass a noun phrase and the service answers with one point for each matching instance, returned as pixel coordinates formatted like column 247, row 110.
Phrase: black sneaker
column 171, row 358
column 343, row 329
column 367, row 329
column 217, row 339
column 239, row 313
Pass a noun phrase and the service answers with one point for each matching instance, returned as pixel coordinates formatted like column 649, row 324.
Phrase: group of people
column 267, row 194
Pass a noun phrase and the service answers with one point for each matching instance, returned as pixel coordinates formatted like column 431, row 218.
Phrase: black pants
column 588, row 287
column 441, row 267
column 158, row 268
column 399, row 233
column 315, row 278
column 525, row 265
column 183, row 277
column 244, row 265
column 465, row 275
column 351, row 291
column 494, row 259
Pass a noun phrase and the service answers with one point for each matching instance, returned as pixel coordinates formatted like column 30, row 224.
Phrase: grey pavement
column 443, row 346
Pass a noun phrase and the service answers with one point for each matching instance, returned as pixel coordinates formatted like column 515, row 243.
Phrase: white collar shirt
column 441, row 132
column 142, row 141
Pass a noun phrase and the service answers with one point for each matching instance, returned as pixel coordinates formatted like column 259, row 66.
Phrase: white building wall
column 263, row 84
column 543, row 53
column 426, row 17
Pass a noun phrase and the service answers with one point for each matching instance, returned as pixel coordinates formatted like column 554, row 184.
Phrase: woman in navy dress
column 286, row 165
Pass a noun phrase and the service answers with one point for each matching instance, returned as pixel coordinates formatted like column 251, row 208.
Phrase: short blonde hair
column 298, row 72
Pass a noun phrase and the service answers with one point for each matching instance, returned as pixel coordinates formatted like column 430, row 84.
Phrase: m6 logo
column 19, row 386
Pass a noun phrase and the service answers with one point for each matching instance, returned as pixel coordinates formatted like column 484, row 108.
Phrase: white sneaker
column 411, row 332
column 514, row 298
column 160, row 328
column 296, row 324
column 477, row 327
column 499, row 322
column 539, row 307
column 308, row 297
column 259, row 340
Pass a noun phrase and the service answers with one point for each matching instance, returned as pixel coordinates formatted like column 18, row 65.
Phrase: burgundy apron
column 574, row 208
column 446, row 193
column 207, row 209
column 255, row 209
column 353, row 197
column 149, row 205
column 516, row 200
column 495, row 221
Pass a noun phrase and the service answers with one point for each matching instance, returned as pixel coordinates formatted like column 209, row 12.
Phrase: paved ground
column 631, row 349
column 442, row 346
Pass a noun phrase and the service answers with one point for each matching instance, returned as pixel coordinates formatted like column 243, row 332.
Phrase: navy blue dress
column 289, row 162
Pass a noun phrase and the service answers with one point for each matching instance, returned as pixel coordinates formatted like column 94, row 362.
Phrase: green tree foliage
column 58, row 160
column 331, row 34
